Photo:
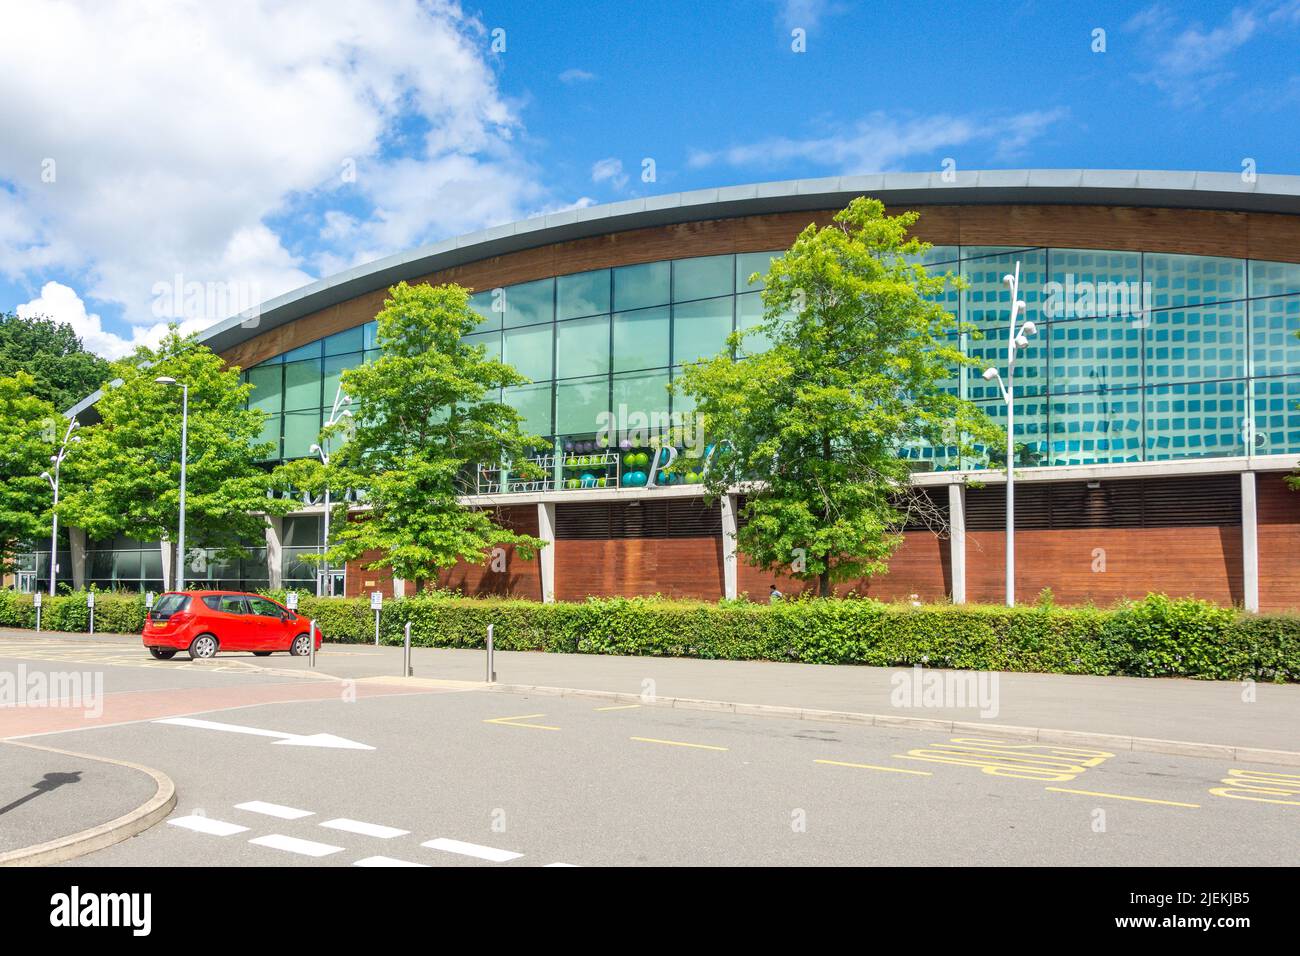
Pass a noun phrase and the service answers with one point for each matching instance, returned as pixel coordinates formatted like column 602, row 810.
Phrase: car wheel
column 261, row 653
column 163, row 653
column 301, row 646
column 203, row 647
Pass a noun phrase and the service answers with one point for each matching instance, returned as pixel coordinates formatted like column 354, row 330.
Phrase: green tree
column 28, row 425
column 422, row 420
column 861, row 356
column 51, row 353
column 125, row 478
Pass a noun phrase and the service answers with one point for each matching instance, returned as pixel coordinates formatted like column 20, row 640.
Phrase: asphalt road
column 463, row 777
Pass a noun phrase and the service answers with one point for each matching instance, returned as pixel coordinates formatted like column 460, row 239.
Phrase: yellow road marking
column 871, row 766
column 511, row 722
column 1252, row 784
column 1120, row 796
column 677, row 743
column 619, row 707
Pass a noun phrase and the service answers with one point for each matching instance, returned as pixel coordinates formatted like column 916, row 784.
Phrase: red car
column 204, row 622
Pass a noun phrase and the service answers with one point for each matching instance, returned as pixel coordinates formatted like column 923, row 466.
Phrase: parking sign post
column 376, row 604
column 37, row 598
column 406, row 652
column 90, row 603
column 491, row 669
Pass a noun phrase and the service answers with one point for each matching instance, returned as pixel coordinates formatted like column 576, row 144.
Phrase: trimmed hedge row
column 1155, row 637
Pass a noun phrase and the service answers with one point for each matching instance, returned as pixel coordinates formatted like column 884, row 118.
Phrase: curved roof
column 1118, row 187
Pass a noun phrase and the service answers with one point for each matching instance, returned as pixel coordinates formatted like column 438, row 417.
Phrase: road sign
column 291, row 600
column 37, row 598
column 376, row 600
column 90, row 599
column 148, row 600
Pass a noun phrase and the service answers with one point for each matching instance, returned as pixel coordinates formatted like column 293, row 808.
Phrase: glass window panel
column 1199, row 420
column 1187, row 280
column 302, row 530
column 267, row 391
column 581, row 405
column 749, row 313
column 530, row 302
column 991, row 351
column 370, row 335
column 273, row 360
column 529, row 350
column 353, row 340
column 533, row 402
column 334, row 368
column 700, row 329
column 270, row 435
column 489, row 308
column 641, row 339
column 586, row 293
column 1274, row 278
column 986, row 305
column 682, row 403
column 1274, row 326
column 639, row 287
column 301, row 431
column 644, row 392
column 310, row 351
column 151, row 563
column 302, row 385
column 491, row 342
column 703, row 277
column 936, row 255
column 126, row 565
column 1094, row 428
column 582, row 347
column 1086, row 283
column 747, row 263
column 1196, row 344
column 1031, row 435
column 1277, row 416
column 1094, row 355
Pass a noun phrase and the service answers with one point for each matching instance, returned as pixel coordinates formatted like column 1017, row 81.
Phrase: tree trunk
column 824, row 583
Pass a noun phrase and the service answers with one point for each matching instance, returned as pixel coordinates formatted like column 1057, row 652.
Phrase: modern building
column 1156, row 417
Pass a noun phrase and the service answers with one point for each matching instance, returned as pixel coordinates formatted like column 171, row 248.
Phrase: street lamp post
column 185, row 425
column 57, row 460
column 337, row 414
column 1016, row 339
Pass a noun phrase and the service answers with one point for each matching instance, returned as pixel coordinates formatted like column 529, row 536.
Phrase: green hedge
column 1155, row 637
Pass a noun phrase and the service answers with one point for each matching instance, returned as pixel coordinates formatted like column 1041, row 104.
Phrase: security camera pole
column 1015, row 340
column 54, row 483
column 185, row 425
column 337, row 414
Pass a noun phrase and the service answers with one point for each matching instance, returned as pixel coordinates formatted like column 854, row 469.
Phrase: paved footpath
column 1230, row 713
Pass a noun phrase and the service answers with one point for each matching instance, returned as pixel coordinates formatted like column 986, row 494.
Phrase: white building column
column 275, row 551
column 728, row 546
column 399, row 587
column 957, row 540
column 77, row 555
column 168, row 556
column 1249, row 543
column 546, row 557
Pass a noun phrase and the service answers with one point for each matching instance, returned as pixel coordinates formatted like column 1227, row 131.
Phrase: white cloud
column 180, row 132
column 803, row 14
column 575, row 75
column 880, row 142
column 609, row 171
column 62, row 304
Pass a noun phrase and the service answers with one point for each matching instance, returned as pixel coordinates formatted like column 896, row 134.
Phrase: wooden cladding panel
column 673, row 567
column 1192, row 231
column 1278, row 509
column 919, row 567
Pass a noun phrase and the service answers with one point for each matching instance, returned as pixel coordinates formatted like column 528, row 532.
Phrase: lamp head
column 990, row 374
column 316, row 448
column 1029, row 328
column 46, row 476
column 165, row 380
column 1022, row 340
column 1009, row 279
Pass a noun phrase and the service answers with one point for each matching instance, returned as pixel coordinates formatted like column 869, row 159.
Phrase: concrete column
column 77, row 549
column 729, row 545
column 168, row 556
column 275, row 551
column 546, row 557
column 1249, row 543
column 957, row 540
column 399, row 588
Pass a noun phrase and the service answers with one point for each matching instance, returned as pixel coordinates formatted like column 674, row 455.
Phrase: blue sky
column 245, row 149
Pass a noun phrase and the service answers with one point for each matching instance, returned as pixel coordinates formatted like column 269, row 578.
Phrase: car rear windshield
column 170, row 604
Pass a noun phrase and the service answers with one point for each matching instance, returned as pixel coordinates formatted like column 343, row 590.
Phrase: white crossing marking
column 385, row 861
column 273, row 810
column 207, row 825
column 365, row 829
column 562, row 864
column 278, row 841
column 472, row 849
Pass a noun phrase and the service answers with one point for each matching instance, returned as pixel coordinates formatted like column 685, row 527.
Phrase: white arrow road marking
column 472, row 849
column 293, row 740
column 207, row 825
column 278, row 841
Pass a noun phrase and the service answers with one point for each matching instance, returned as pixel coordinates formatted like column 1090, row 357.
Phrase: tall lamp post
column 1017, row 338
column 185, row 426
column 337, row 414
column 53, row 479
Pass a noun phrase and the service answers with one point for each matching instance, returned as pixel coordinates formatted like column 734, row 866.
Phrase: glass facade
column 1138, row 356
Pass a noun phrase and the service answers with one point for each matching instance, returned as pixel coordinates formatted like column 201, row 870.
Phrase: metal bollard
column 311, row 644
column 491, row 664
column 38, row 619
column 406, row 652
